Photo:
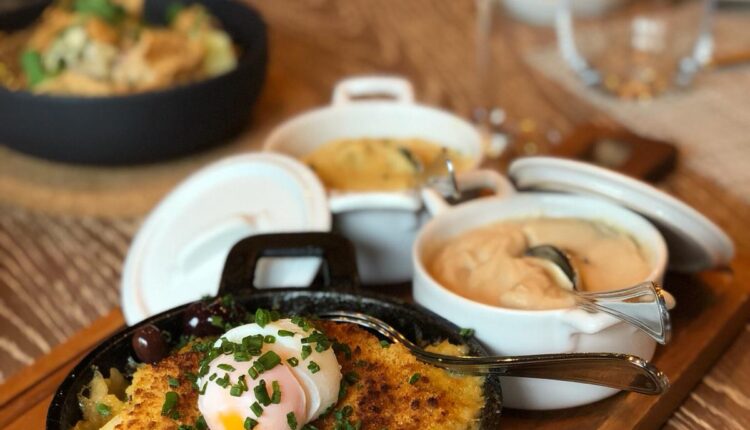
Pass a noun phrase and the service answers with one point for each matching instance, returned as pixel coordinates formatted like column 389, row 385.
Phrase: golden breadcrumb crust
column 150, row 383
column 381, row 397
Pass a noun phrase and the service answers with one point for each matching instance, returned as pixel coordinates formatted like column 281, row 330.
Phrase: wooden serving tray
column 711, row 309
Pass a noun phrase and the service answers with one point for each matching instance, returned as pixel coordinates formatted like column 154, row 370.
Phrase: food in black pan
column 105, row 47
column 262, row 370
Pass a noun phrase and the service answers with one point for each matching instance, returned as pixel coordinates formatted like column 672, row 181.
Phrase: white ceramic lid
column 179, row 252
column 695, row 243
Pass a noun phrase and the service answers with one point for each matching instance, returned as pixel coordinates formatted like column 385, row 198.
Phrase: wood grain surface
column 64, row 230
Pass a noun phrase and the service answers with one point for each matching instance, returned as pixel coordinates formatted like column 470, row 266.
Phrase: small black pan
column 336, row 288
column 149, row 126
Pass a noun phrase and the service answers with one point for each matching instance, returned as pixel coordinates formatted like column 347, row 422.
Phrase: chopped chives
column 173, row 382
column 313, row 367
column 242, row 382
column 203, row 389
column 384, row 344
column 269, row 339
column 306, row 351
column 466, row 332
column 170, row 403
column 269, row 360
column 235, row 391
column 216, row 321
column 291, row 419
column 253, row 343
column 262, row 317
column 253, row 373
column 351, row 377
column 256, row 408
column 343, row 348
column 223, row 382
column 286, row 333
column 200, row 423
column 293, row 361
column 240, row 356
column 226, row 367
column 276, row 395
column 103, row 409
column 261, row 393
column 212, row 377
column 414, row 378
column 249, row 423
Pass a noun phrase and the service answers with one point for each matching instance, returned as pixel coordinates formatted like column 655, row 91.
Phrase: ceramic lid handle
column 339, row 269
column 397, row 88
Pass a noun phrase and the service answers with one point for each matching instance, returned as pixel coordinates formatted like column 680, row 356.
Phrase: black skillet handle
column 338, row 269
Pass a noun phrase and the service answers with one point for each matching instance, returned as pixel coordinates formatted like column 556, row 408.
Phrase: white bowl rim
column 660, row 253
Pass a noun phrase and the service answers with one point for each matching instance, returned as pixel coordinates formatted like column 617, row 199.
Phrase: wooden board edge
column 61, row 355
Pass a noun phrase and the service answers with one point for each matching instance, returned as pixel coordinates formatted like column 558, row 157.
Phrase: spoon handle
column 621, row 371
column 642, row 305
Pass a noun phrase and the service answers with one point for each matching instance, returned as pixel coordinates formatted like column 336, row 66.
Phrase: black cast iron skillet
column 150, row 126
column 337, row 287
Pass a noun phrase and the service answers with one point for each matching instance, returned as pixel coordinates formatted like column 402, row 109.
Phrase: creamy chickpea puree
column 367, row 164
column 487, row 264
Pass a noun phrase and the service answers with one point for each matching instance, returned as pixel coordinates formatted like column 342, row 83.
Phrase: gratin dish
column 337, row 290
column 149, row 126
column 382, row 224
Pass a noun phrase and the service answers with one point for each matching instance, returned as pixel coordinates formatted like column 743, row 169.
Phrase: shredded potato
column 101, row 400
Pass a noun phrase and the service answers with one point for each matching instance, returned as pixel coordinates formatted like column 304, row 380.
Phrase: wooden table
column 64, row 234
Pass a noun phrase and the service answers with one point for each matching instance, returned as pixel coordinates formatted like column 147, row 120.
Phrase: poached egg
column 306, row 389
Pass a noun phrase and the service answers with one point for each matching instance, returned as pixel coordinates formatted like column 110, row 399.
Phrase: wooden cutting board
column 712, row 308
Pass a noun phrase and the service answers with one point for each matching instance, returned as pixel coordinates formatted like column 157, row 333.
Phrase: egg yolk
column 232, row 422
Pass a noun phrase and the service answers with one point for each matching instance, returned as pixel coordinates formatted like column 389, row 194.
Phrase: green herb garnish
column 313, row 367
column 249, row 423
column 306, row 351
column 168, row 408
column 262, row 317
column 226, row 367
column 276, row 394
column 414, row 378
column 466, row 332
column 291, row 419
column 261, row 393
column 269, row 360
column 256, row 408
column 32, row 66
column 103, row 409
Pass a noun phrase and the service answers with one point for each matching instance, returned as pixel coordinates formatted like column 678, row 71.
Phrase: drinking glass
column 639, row 49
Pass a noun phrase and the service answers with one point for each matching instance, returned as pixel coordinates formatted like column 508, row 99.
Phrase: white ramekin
column 382, row 225
column 520, row 332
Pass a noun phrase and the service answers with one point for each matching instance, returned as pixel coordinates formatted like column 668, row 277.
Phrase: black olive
column 149, row 344
column 208, row 318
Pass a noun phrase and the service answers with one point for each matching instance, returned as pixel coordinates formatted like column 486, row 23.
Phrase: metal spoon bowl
column 621, row 371
column 643, row 305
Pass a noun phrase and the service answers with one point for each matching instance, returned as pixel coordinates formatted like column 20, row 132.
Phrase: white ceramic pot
column 382, row 225
column 542, row 12
column 520, row 332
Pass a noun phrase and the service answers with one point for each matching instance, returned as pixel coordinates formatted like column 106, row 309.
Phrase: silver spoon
column 440, row 173
column 642, row 305
column 621, row 371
